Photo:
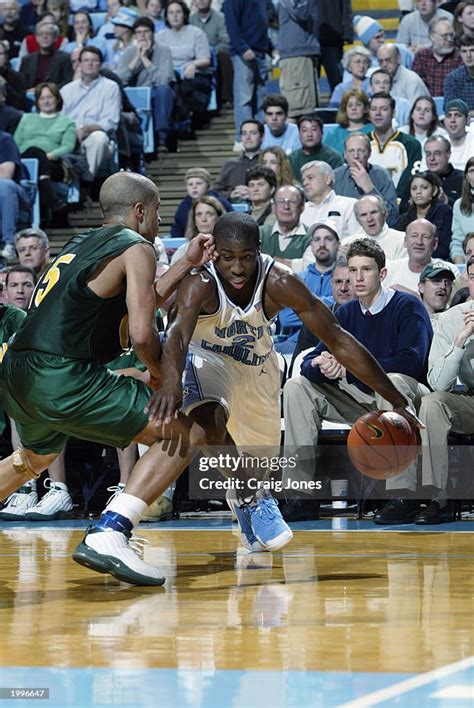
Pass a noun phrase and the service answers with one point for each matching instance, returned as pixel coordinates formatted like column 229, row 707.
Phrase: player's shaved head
column 121, row 191
column 236, row 226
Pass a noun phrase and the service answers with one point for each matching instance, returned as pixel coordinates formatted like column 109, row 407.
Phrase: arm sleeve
column 413, row 344
column 444, row 359
column 110, row 117
column 458, row 236
column 403, row 34
column 68, row 141
column 232, row 11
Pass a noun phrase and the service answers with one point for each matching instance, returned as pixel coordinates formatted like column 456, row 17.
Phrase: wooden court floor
column 331, row 601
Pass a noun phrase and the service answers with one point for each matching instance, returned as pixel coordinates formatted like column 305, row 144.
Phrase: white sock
column 129, row 506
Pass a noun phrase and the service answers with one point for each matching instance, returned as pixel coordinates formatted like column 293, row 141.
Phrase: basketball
column 382, row 444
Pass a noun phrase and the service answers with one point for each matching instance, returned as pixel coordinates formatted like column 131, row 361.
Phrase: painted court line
column 385, row 694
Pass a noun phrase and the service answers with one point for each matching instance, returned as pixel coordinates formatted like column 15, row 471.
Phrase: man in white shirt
column 318, row 179
column 371, row 213
column 405, row 82
column 456, row 122
column 93, row 102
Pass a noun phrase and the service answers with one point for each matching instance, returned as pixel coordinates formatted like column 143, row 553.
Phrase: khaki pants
column 98, row 148
column 299, row 84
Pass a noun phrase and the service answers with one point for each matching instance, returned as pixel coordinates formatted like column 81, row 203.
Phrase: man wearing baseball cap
column 435, row 288
column 460, row 82
column 311, row 129
column 456, row 122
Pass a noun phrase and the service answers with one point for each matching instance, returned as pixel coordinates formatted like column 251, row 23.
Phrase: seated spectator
column 122, row 24
column 198, row 183
column 456, row 122
column 357, row 62
column 9, row 116
column 149, row 63
column 30, row 13
column 231, row 180
column 311, row 130
column 154, row 12
column 435, row 287
column 404, row 81
column 358, row 178
column 463, row 214
column 48, row 135
column 60, row 10
column 413, row 30
column 421, row 241
column 425, row 189
column 93, row 103
column 352, row 116
column 277, row 160
column 372, row 35
column 82, row 35
column 461, row 281
column 30, row 43
column 19, row 285
column 203, row 214
column 212, row 23
column 433, row 64
column 278, row 132
column 262, row 183
column 423, row 121
column 371, row 214
column 32, row 247
column 459, row 83
column 13, row 196
column 323, row 202
column 395, row 151
column 106, row 30
column 48, row 63
column 464, row 18
column 381, row 82
column 191, row 58
column 12, row 30
column 287, row 239
column 14, row 83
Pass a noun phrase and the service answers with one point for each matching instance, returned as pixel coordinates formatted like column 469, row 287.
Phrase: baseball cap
column 436, row 268
column 125, row 17
column 328, row 224
column 457, row 104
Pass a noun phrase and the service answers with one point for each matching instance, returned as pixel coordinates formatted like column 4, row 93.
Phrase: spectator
column 48, row 63
column 435, row 288
column 287, row 239
column 299, row 50
column 381, row 82
column 463, row 214
column 425, row 190
column 421, row 241
column 464, row 18
column 358, row 178
column 191, row 57
column 456, row 122
column 461, row 281
column 9, row 116
column 371, row 214
column 212, row 23
column 198, row 183
column 323, row 203
column 19, row 285
column 395, row 151
column 277, row 160
column 357, row 62
column 32, row 246
column 12, row 31
column 231, row 180
column 30, row 13
column 154, row 12
column 93, row 103
column 13, row 196
column 149, row 63
column 30, row 43
column 352, row 117
column 311, row 135
column 14, row 83
column 107, row 29
column 278, row 132
column 459, row 83
column 335, row 29
column 372, row 35
column 203, row 214
column 122, row 27
column 59, row 9
column 433, row 64
column 423, row 121
column 82, row 35
column 413, row 30
column 47, row 135
column 262, row 183
column 247, row 26
column 404, row 81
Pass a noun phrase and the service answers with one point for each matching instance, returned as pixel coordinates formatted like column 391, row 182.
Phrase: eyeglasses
column 447, row 35
column 27, row 249
column 281, row 201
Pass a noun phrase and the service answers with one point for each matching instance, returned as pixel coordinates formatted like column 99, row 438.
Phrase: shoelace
column 116, row 490
column 138, row 544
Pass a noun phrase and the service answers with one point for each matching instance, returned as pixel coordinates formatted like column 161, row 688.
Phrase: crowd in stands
column 378, row 169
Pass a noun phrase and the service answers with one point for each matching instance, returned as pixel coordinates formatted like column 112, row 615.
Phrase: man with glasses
column 32, row 247
column 47, row 64
column 93, row 102
column 460, row 82
column 434, row 63
column 413, row 31
column 287, row 239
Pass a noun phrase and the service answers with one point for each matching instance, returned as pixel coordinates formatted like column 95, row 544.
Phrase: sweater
column 53, row 135
column 247, row 24
column 462, row 225
column 399, row 338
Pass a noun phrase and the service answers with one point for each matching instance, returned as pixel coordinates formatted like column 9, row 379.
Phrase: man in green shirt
column 311, row 135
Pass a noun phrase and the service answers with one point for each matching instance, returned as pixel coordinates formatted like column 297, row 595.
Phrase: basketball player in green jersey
column 95, row 299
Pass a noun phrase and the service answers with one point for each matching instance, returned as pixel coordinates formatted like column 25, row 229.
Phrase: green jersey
column 66, row 317
column 10, row 319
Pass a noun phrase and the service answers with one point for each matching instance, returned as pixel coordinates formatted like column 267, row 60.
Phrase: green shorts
column 52, row 398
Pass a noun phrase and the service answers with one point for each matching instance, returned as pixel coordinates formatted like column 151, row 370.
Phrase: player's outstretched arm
column 201, row 250
column 196, row 294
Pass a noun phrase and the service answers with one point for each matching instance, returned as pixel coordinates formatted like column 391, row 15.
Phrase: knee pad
column 21, row 464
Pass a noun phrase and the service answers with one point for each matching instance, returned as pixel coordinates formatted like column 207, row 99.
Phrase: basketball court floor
column 348, row 614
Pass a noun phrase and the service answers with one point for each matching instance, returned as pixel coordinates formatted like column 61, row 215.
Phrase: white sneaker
column 110, row 552
column 8, row 252
column 159, row 510
column 116, row 489
column 55, row 504
column 19, row 502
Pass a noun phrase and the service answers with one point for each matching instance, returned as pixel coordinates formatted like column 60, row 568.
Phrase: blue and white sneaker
column 268, row 525
column 246, row 534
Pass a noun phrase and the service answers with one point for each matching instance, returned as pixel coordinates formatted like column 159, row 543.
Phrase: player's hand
column 414, row 421
column 162, row 407
column 201, row 250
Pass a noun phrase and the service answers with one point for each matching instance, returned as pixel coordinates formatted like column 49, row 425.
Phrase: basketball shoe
column 159, row 510
column 55, row 504
column 19, row 502
column 268, row 525
column 246, row 534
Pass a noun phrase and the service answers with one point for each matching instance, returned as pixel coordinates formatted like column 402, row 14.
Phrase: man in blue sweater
column 396, row 329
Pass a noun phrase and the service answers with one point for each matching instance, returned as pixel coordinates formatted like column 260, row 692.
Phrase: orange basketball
column 382, row 444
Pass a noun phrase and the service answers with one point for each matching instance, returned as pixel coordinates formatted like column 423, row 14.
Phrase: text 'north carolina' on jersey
column 66, row 317
column 241, row 334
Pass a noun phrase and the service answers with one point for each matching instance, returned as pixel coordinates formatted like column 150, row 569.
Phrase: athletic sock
column 129, row 506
